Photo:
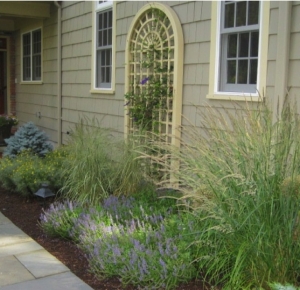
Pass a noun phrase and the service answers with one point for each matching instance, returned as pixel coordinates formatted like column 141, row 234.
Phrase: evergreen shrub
column 28, row 137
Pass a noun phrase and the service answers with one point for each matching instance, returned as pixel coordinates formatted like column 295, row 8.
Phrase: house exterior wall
column 294, row 54
column 32, row 99
column 77, row 99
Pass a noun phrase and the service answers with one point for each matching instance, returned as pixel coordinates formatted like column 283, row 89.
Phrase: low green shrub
column 26, row 172
column 7, row 168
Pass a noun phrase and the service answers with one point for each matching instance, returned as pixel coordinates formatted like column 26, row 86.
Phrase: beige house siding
column 32, row 99
column 294, row 60
column 77, row 101
column 77, row 34
column 272, row 50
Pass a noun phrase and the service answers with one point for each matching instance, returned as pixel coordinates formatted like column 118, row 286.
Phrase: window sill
column 245, row 97
column 102, row 92
column 31, row 83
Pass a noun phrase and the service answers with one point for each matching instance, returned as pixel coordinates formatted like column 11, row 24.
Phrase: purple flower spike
column 144, row 80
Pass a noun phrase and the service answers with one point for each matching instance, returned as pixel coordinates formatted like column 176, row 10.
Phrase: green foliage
column 8, row 120
column 147, row 97
column 291, row 186
column 99, row 165
column 28, row 137
column 7, row 168
column 26, row 171
column 59, row 219
column 233, row 171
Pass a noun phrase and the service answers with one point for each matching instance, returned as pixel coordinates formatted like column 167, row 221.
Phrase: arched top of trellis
column 174, row 38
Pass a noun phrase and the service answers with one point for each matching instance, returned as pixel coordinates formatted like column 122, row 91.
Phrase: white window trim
column 29, row 82
column 213, row 91
column 96, row 8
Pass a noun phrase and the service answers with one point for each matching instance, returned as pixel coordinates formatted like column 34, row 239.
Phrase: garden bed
column 25, row 212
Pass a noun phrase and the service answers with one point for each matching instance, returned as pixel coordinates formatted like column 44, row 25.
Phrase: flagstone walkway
column 24, row 264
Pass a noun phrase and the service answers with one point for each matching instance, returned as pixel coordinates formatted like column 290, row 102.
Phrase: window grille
column 239, row 46
column 32, row 55
column 104, row 49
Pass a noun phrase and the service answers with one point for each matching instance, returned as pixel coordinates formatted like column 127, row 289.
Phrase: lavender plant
column 140, row 253
column 60, row 218
column 125, row 237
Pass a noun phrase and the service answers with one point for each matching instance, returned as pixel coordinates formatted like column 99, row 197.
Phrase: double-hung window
column 32, row 55
column 103, row 45
column 238, row 50
column 239, row 46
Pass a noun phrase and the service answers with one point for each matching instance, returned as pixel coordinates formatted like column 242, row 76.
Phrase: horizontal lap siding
column 77, row 101
column 294, row 63
column 42, row 98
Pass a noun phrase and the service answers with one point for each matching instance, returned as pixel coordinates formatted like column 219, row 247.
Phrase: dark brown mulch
column 25, row 212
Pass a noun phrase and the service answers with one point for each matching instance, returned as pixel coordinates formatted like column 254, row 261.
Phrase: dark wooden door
column 3, row 83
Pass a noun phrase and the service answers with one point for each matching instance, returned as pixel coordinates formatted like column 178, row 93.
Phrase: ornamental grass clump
column 99, row 165
column 232, row 169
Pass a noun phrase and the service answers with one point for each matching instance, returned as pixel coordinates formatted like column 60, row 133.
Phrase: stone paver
column 10, row 234
column 65, row 281
column 41, row 263
column 25, row 265
column 19, row 248
column 4, row 220
column 12, row 271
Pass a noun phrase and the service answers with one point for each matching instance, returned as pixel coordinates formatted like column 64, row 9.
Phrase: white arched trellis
column 156, row 33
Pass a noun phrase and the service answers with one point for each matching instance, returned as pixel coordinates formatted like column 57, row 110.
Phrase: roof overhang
column 14, row 13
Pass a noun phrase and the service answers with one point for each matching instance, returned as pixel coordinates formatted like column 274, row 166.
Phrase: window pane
column 107, row 79
column 243, row 44
column 253, row 12
column 231, row 69
column 109, row 32
column 110, row 19
column 98, row 72
column 242, row 71
column 108, row 57
column 232, row 44
column 254, row 44
column 26, row 68
column 103, row 57
column 26, row 44
column 36, row 35
column 36, row 68
column 104, row 38
column 105, row 22
column 100, row 23
column 100, row 43
column 103, row 75
column 229, row 15
column 241, row 8
column 253, row 71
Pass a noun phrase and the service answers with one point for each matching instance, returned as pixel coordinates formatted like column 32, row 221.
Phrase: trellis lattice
column 150, row 98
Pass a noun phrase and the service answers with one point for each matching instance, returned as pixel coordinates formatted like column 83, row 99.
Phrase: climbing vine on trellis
column 150, row 96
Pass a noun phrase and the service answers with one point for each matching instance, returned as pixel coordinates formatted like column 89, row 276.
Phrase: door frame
column 8, row 76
